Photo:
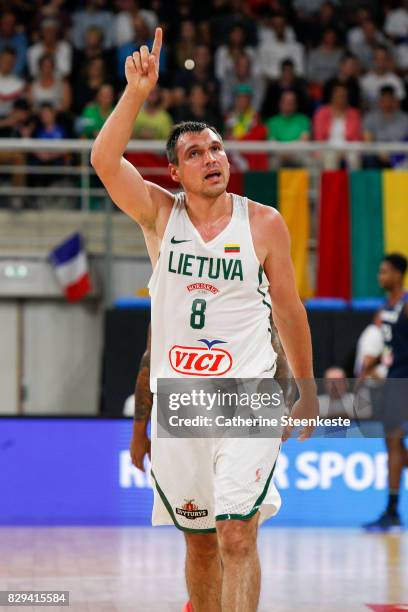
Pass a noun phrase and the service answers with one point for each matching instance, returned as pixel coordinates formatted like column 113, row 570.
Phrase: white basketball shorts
column 198, row 481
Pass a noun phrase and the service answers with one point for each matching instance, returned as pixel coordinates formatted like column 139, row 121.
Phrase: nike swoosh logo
column 174, row 241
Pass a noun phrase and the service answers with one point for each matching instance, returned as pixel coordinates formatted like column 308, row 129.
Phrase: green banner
column 367, row 231
column 262, row 187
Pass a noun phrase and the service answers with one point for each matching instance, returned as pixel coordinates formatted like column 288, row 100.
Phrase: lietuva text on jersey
column 207, row 267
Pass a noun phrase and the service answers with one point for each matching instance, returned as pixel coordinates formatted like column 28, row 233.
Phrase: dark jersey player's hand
column 139, row 448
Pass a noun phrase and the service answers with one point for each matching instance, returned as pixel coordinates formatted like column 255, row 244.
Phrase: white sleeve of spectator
column 399, row 87
column 123, row 29
column 298, row 58
column 396, row 24
column 33, row 55
column 64, row 58
column 220, row 62
column 372, row 342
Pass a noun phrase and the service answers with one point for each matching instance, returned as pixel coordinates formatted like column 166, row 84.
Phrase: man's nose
column 209, row 156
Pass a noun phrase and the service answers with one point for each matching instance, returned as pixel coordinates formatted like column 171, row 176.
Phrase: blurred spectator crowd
column 255, row 69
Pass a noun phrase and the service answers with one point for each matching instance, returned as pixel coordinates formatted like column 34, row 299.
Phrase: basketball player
column 238, row 253
column 394, row 326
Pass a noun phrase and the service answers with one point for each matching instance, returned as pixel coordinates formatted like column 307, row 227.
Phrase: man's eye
column 193, row 153
column 216, row 148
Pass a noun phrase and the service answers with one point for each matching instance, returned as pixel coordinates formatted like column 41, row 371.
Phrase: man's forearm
column 294, row 332
column 282, row 365
column 283, row 372
column 112, row 140
column 143, row 395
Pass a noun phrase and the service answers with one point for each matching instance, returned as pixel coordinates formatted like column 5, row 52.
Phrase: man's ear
column 174, row 173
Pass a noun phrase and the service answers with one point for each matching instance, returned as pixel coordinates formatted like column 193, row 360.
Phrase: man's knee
column 237, row 539
column 202, row 546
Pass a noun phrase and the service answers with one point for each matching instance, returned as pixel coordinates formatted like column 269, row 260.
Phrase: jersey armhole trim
column 177, row 199
column 176, row 202
column 251, row 240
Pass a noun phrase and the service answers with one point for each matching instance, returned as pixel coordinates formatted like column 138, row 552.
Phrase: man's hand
column 306, row 407
column 139, row 448
column 142, row 68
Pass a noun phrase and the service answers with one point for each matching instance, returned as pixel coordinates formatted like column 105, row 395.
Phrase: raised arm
column 139, row 199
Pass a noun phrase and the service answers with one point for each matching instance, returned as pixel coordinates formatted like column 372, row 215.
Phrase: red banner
column 334, row 265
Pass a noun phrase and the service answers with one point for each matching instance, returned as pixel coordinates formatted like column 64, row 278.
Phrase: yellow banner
column 294, row 206
column 395, row 186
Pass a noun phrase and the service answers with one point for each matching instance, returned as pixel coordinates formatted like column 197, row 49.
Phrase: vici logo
column 199, row 360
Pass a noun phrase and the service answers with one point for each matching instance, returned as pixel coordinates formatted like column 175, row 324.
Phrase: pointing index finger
column 157, row 43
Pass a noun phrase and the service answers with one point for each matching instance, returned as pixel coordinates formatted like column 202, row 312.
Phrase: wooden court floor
column 135, row 569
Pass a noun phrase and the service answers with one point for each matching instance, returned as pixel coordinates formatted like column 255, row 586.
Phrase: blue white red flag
column 71, row 266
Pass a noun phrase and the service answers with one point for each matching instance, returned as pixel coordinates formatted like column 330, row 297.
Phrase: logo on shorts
column 190, row 510
column 258, row 475
column 200, row 361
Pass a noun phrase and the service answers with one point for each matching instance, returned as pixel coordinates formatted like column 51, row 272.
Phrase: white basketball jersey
column 210, row 302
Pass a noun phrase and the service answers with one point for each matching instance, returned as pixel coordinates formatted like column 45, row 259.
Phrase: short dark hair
column 387, row 90
column 381, row 47
column 8, row 51
column 397, row 261
column 185, row 127
column 287, row 63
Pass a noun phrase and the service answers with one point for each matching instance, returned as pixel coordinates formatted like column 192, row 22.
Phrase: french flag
column 71, row 266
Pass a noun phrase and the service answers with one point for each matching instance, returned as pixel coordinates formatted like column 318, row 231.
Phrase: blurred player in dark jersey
column 394, row 326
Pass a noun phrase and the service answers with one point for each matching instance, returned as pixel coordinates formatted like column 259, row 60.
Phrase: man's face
column 335, row 383
column 198, row 96
column 369, row 30
column 288, row 103
column 203, row 168
column 47, row 115
column 388, row 103
column 288, row 72
column 242, row 102
column 7, row 61
column 105, row 96
column 49, row 34
column 8, row 24
column 242, row 67
column 202, row 57
column 339, row 97
column 388, row 276
column 93, row 38
column 279, row 25
column 349, row 67
column 21, row 115
column 381, row 62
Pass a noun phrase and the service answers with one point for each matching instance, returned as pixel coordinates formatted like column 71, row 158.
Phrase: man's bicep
column 278, row 265
column 131, row 193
